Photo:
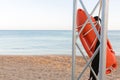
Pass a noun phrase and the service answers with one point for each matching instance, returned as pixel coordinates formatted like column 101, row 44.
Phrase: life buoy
column 89, row 39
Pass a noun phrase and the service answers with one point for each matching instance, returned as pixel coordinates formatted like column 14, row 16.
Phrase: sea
column 44, row 42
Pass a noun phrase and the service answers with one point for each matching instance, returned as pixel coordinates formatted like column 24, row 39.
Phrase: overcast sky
column 46, row 14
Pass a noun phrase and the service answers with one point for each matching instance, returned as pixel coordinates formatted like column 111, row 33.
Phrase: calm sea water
column 43, row 42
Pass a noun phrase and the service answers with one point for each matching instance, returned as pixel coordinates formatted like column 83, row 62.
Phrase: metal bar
column 90, row 20
column 104, row 24
column 100, row 8
column 86, row 61
column 96, row 50
column 95, row 53
column 87, row 19
column 74, row 39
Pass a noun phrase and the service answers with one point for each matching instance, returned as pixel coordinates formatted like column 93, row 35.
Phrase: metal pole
column 74, row 39
column 104, row 24
column 87, row 19
column 87, row 61
column 87, row 64
column 88, row 16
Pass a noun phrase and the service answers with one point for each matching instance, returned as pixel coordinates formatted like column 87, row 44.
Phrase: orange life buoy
column 89, row 39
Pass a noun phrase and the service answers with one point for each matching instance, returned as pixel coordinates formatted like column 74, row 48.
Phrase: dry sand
column 44, row 68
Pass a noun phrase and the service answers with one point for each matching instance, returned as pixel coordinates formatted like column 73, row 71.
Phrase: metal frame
column 103, row 10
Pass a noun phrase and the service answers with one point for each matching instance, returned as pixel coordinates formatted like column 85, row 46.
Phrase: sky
column 47, row 14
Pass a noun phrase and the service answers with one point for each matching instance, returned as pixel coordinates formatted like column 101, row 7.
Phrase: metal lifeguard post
column 103, row 12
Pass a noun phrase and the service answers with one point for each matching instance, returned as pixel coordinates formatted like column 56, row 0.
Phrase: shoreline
column 47, row 67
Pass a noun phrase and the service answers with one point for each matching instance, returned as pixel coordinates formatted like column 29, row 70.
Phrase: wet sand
column 51, row 67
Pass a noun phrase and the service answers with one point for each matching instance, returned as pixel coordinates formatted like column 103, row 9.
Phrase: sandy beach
column 50, row 67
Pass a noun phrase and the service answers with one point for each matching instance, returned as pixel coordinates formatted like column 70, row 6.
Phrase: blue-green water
column 43, row 42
